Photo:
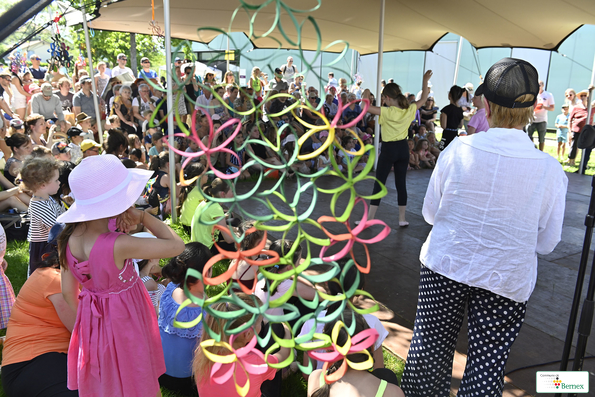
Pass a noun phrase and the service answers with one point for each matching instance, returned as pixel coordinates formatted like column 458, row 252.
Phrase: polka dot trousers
column 494, row 323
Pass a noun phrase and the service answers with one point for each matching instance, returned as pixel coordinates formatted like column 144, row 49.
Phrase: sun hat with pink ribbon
column 103, row 188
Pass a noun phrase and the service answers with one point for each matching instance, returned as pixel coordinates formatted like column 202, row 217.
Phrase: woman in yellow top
column 256, row 83
column 395, row 119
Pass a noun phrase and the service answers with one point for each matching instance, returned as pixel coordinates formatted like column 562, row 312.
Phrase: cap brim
column 111, row 206
column 479, row 90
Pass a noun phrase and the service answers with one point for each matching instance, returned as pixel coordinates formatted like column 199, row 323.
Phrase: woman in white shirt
column 495, row 203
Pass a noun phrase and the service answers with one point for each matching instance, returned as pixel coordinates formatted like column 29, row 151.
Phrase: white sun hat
column 103, row 188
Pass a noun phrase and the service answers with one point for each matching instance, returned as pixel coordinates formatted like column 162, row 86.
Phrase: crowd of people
column 96, row 289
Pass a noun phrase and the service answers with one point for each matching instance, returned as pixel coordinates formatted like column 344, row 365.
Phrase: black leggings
column 394, row 153
column 44, row 376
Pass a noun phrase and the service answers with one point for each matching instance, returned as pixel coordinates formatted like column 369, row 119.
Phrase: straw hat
column 103, row 188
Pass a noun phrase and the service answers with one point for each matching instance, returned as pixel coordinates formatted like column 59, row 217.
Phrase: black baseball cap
column 508, row 79
column 74, row 131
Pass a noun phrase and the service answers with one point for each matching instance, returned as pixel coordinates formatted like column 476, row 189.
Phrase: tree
column 105, row 46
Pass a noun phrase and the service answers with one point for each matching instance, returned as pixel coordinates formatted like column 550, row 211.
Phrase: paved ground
column 394, row 277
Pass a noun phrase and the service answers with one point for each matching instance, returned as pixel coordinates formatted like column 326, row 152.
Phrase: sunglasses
column 36, row 59
column 146, row 62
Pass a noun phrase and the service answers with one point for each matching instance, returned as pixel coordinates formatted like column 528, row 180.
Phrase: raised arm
column 425, row 89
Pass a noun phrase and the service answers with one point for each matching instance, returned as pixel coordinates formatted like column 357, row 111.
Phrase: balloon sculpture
column 294, row 217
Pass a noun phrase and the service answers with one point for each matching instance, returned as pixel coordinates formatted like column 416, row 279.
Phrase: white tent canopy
column 409, row 25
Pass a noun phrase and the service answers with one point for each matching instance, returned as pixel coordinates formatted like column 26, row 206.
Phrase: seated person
column 194, row 196
column 49, row 105
column 428, row 113
column 34, row 365
column 179, row 343
column 354, row 382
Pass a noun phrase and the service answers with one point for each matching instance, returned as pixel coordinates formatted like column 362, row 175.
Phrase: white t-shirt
column 373, row 322
column 543, row 99
column 118, row 71
column 204, row 102
column 142, row 104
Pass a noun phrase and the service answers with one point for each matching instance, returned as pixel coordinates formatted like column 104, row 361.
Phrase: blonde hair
column 254, row 70
column 201, row 365
column 503, row 117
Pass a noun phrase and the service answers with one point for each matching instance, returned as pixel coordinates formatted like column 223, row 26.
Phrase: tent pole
column 170, row 108
column 378, row 79
column 458, row 63
column 95, row 101
column 583, row 167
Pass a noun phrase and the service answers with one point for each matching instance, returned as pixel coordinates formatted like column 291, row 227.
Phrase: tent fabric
column 409, row 25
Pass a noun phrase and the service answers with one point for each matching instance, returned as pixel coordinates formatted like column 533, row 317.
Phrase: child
column 354, row 382
column 75, row 138
column 115, row 348
column 334, row 288
column 256, row 84
column 157, row 140
column 479, row 122
column 420, row 133
column 433, row 144
column 147, row 129
column 202, row 365
column 179, row 343
column 413, row 157
column 451, row 117
column 206, row 213
column 233, row 164
column 40, row 176
column 349, row 145
column 324, row 159
column 562, row 130
column 61, row 151
column 194, row 196
column 426, row 158
column 395, row 119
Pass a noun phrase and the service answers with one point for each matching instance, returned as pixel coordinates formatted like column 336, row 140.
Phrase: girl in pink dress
column 115, row 348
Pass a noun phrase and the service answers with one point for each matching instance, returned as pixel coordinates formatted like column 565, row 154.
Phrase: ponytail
column 216, row 187
column 17, row 140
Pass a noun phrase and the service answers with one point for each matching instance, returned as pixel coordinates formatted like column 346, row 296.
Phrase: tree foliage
column 105, row 46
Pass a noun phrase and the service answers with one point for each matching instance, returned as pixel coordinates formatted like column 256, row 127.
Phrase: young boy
column 562, row 130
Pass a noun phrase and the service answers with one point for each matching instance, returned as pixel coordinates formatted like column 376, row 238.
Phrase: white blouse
column 495, row 202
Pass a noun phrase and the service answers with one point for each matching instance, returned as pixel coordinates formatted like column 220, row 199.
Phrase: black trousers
column 393, row 154
column 44, row 376
column 494, row 323
column 574, row 145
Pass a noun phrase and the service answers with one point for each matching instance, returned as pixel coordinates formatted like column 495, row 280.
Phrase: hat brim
column 111, row 206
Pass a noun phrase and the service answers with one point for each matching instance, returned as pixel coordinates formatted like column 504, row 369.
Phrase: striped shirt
column 43, row 215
